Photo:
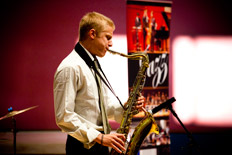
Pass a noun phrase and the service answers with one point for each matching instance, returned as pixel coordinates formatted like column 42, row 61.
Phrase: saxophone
column 146, row 124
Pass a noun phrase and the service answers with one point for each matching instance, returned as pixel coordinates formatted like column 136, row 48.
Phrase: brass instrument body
column 140, row 133
column 132, row 100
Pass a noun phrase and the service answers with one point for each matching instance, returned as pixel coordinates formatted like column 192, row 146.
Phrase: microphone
column 162, row 105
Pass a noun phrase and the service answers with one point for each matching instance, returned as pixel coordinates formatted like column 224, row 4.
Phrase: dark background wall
column 200, row 18
column 37, row 35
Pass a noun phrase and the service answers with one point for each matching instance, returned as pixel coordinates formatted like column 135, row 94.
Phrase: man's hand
column 114, row 140
column 140, row 102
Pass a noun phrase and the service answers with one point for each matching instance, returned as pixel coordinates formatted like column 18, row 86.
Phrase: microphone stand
column 192, row 142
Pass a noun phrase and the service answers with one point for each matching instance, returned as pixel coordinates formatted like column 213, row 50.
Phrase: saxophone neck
column 117, row 53
column 135, row 56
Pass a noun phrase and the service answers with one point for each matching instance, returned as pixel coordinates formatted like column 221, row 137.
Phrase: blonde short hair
column 93, row 20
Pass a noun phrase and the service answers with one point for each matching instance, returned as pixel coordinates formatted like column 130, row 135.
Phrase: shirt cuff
column 92, row 134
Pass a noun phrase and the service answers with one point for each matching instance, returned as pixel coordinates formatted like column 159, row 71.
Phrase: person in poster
column 153, row 31
column 145, row 28
column 137, row 27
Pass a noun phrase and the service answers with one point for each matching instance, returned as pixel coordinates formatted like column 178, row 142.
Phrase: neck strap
column 82, row 53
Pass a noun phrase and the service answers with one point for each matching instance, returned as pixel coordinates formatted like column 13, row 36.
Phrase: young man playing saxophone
column 77, row 96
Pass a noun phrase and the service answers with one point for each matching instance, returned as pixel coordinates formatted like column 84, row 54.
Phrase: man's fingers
column 121, row 136
column 118, row 142
column 116, row 149
column 118, row 146
column 141, row 99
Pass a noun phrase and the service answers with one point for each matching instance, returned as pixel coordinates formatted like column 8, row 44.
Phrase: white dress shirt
column 76, row 100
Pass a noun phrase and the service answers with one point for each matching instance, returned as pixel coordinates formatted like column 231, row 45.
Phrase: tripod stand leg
column 14, row 134
column 192, row 142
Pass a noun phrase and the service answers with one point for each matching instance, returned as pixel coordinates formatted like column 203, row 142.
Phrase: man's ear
column 92, row 33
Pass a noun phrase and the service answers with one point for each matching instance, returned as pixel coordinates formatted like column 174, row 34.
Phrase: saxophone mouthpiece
column 112, row 52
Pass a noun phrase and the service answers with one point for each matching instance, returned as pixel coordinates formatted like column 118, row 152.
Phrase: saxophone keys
column 135, row 112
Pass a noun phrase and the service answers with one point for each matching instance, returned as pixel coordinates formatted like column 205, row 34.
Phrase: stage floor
column 40, row 143
column 33, row 142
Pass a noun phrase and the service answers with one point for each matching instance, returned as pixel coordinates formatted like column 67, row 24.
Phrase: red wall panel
column 35, row 37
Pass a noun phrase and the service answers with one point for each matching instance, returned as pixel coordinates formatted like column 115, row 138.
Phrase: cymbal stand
column 12, row 114
column 14, row 134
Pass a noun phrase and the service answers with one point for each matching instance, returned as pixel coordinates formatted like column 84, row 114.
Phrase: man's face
column 102, row 42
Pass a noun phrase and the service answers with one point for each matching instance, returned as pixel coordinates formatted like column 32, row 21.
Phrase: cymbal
column 13, row 113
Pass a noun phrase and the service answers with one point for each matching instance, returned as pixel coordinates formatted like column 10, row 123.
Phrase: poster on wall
column 148, row 27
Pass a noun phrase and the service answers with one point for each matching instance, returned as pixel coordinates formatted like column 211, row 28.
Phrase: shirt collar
column 90, row 55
